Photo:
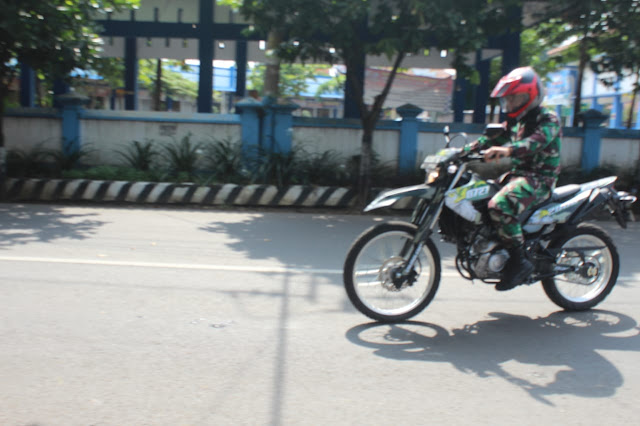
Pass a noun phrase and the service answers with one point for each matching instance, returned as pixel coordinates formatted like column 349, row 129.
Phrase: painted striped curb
column 189, row 194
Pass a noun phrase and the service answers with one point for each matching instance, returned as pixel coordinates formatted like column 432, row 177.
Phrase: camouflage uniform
column 536, row 165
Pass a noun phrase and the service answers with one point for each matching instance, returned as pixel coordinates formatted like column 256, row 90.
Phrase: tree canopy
column 51, row 36
column 346, row 31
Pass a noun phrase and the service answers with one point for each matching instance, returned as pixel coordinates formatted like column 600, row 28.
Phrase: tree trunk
column 577, row 105
column 272, row 71
column 366, row 157
column 369, row 120
column 157, row 93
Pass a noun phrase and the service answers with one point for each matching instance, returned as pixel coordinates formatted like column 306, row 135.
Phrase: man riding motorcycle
column 531, row 138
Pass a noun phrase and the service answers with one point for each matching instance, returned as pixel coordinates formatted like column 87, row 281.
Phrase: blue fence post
column 408, row 138
column 282, row 129
column 250, row 110
column 72, row 107
column 591, row 121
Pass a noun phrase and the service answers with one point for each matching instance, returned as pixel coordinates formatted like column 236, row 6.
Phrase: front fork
column 425, row 217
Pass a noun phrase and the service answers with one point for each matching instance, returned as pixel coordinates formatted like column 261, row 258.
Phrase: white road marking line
column 227, row 268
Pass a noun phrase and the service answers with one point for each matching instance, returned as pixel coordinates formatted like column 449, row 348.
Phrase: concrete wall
column 104, row 133
column 33, row 129
column 620, row 152
column 347, row 142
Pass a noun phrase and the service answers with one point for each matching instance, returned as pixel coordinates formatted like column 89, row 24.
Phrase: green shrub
column 225, row 162
column 182, row 158
column 68, row 158
column 140, row 156
column 31, row 163
column 276, row 168
column 326, row 168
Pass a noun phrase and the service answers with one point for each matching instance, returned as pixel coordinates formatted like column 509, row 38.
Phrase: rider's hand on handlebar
column 497, row 153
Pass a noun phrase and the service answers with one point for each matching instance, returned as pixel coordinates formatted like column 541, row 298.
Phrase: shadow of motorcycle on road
column 568, row 341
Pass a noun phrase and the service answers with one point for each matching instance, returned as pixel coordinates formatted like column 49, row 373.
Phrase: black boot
column 517, row 270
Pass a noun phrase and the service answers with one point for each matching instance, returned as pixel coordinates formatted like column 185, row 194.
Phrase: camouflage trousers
column 510, row 202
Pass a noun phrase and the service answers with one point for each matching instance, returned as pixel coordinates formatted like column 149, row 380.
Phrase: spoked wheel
column 373, row 275
column 594, row 262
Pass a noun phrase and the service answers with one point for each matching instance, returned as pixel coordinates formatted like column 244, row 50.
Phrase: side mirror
column 446, row 135
column 494, row 130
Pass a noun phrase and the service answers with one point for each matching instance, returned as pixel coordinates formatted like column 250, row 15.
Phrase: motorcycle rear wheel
column 369, row 270
column 597, row 271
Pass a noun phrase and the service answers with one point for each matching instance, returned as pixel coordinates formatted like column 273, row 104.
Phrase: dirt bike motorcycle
column 392, row 270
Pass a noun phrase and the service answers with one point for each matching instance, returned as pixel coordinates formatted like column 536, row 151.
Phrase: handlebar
column 475, row 156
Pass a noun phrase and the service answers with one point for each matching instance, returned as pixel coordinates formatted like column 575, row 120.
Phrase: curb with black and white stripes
column 183, row 193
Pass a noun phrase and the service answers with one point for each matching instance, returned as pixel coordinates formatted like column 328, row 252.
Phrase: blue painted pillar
column 205, row 55
column 638, row 116
column 250, row 114
column 72, row 107
column 459, row 99
column 282, row 126
column 408, row 138
column 591, row 121
column 131, row 74
column 482, row 90
column 276, row 125
column 27, row 86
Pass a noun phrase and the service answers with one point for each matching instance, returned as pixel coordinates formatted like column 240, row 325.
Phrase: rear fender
column 388, row 198
column 597, row 197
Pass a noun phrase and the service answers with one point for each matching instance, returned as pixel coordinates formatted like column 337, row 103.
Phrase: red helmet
column 520, row 91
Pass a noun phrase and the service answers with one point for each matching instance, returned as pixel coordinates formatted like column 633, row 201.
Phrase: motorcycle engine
column 491, row 258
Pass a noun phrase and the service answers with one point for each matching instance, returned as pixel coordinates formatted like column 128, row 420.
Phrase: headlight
column 433, row 175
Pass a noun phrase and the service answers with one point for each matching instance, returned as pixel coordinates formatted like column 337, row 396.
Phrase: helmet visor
column 513, row 103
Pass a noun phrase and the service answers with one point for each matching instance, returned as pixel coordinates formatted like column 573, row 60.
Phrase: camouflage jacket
column 536, row 142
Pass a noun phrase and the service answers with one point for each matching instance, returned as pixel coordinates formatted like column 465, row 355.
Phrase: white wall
column 571, row 152
column 104, row 138
column 29, row 133
column 620, row 152
column 347, row 141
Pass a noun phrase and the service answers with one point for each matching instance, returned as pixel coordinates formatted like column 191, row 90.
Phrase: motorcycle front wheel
column 371, row 273
column 594, row 258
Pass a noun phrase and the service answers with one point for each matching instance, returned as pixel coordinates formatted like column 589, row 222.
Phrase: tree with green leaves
column 51, row 36
column 165, row 79
column 346, row 31
column 293, row 79
column 583, row 21
column 621, row 46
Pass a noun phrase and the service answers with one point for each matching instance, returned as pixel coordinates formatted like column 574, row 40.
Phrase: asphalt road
column 134, row 316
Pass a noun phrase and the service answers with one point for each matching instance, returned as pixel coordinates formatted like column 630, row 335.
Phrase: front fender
column 387, row 198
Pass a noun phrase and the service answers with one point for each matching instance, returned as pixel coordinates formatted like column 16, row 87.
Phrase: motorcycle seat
column 564, row 192
column 558, row 195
